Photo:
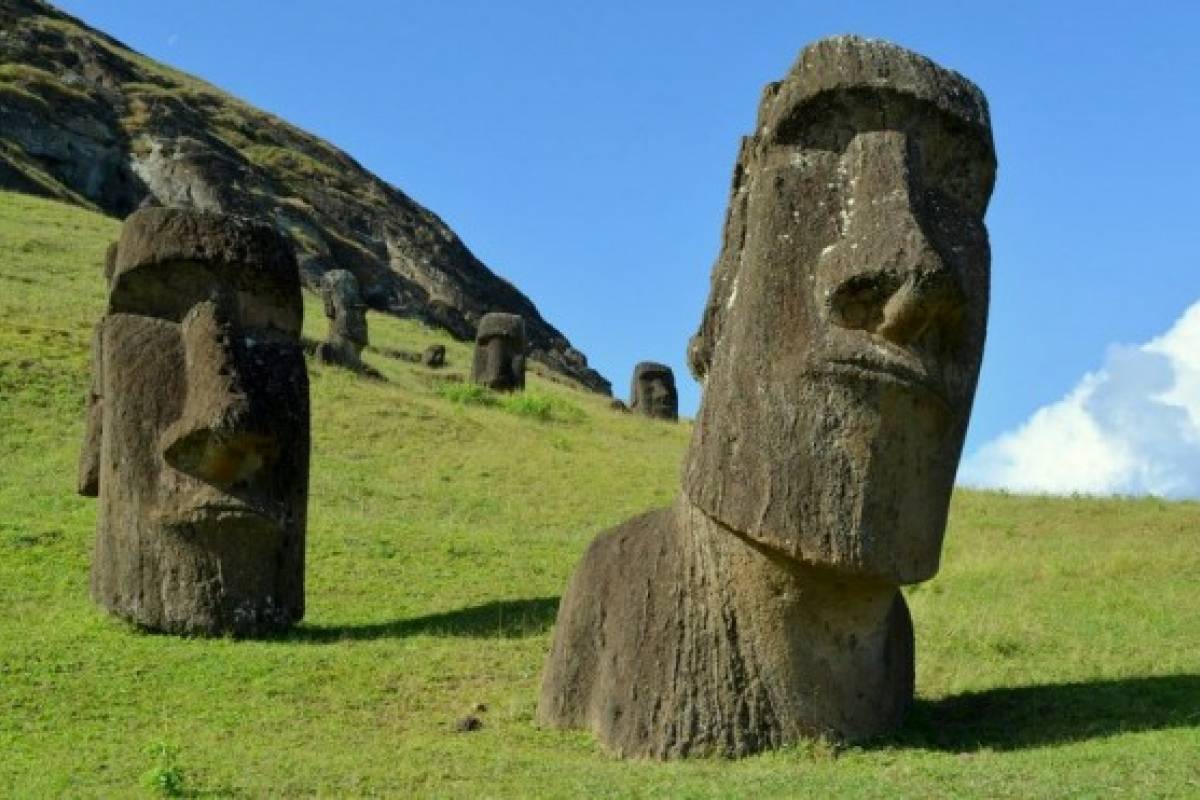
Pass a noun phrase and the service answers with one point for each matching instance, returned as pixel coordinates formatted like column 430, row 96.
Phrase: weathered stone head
column 840, row 348
column 201, row 441
column 500, row 352
column 347, row 314
column 653, row 392
column 842, row 339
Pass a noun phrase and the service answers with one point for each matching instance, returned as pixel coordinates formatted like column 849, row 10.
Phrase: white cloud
column 1133, row 427
column 172, row 39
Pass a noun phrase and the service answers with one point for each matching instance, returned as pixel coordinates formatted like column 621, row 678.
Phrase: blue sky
column 583, row 151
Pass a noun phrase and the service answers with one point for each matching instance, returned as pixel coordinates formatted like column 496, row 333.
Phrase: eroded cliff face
column 85, row 119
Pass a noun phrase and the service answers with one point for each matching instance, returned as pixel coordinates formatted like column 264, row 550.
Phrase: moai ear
column 88, row 482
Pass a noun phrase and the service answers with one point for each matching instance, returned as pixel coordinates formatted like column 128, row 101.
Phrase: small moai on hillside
column 347, row 314
column 197, row 440
column 840, row 346
column 653, row 392
column 434, row 356
column 499, row 361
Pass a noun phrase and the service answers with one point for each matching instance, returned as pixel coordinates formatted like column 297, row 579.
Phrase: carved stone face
column 653, row 392
column 500, row 352
column 203, row 449
column 844, row 333
column 345, row 308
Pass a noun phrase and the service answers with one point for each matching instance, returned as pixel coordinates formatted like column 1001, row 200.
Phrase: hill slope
column 85, row 119
column 1058, row 650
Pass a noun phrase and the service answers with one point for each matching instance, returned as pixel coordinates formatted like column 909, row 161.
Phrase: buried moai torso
column 499, row 361
column 840, row 348
column 347, row 315
column 199, row 449
column 653, row 391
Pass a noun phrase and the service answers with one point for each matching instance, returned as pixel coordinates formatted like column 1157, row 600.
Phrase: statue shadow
column 1025, row 717
column 499, row 619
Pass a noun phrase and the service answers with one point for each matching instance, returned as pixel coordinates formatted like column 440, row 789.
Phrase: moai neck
column 820, row 652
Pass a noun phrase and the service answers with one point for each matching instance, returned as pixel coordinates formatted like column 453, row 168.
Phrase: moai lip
column 499, row 361
column 653, row 392
column 199, row 428
column 839, row 349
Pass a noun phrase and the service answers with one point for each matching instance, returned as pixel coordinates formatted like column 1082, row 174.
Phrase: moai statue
column 347, row 315
column 198, row 428
column 434, row 356
column 841, row 343
column 653, row 393
column 500, row 352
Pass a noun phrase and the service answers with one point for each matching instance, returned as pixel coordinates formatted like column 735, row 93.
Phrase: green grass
column 1058, row 649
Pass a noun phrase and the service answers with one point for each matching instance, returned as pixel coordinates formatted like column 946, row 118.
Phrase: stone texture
column 86, row 120
column 201, row 436
column 499, row 361
column 347, row 315
column 653, row 393
column 840, row 348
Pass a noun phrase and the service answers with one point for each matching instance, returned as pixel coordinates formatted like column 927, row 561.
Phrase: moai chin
column 840, row 348
column 653, row 391
column 198, row 430
column 347, row 315
column 499, row 361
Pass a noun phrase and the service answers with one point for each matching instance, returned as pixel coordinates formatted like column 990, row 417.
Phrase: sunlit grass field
column 1058, row 650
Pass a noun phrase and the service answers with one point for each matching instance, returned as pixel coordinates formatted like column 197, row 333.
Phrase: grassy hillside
column 1058, row 650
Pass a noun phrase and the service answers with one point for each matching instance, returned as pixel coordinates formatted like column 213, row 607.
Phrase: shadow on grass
column 1036, row 716
column 500, row 619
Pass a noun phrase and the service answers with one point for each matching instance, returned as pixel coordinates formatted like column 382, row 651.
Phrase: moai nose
column 220, row 437
column 885, row 275
column 498, row 357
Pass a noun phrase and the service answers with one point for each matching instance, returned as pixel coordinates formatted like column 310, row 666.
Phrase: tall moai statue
column 499, row 361
column 653, row 391
column 841, row 345
column 198, row 428
column 347, row 315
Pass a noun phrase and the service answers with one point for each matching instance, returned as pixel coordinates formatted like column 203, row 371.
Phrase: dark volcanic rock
column 840, row 348
column 198, row 428
column 85, row 119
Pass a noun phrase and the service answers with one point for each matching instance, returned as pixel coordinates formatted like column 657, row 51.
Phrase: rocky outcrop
column 85, row 119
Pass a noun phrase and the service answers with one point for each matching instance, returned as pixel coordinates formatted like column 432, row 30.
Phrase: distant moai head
column 653, row 392
column 500, row 352
column 434, row 356
column 201, row 443
column 843, row 334
column 345, row 308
